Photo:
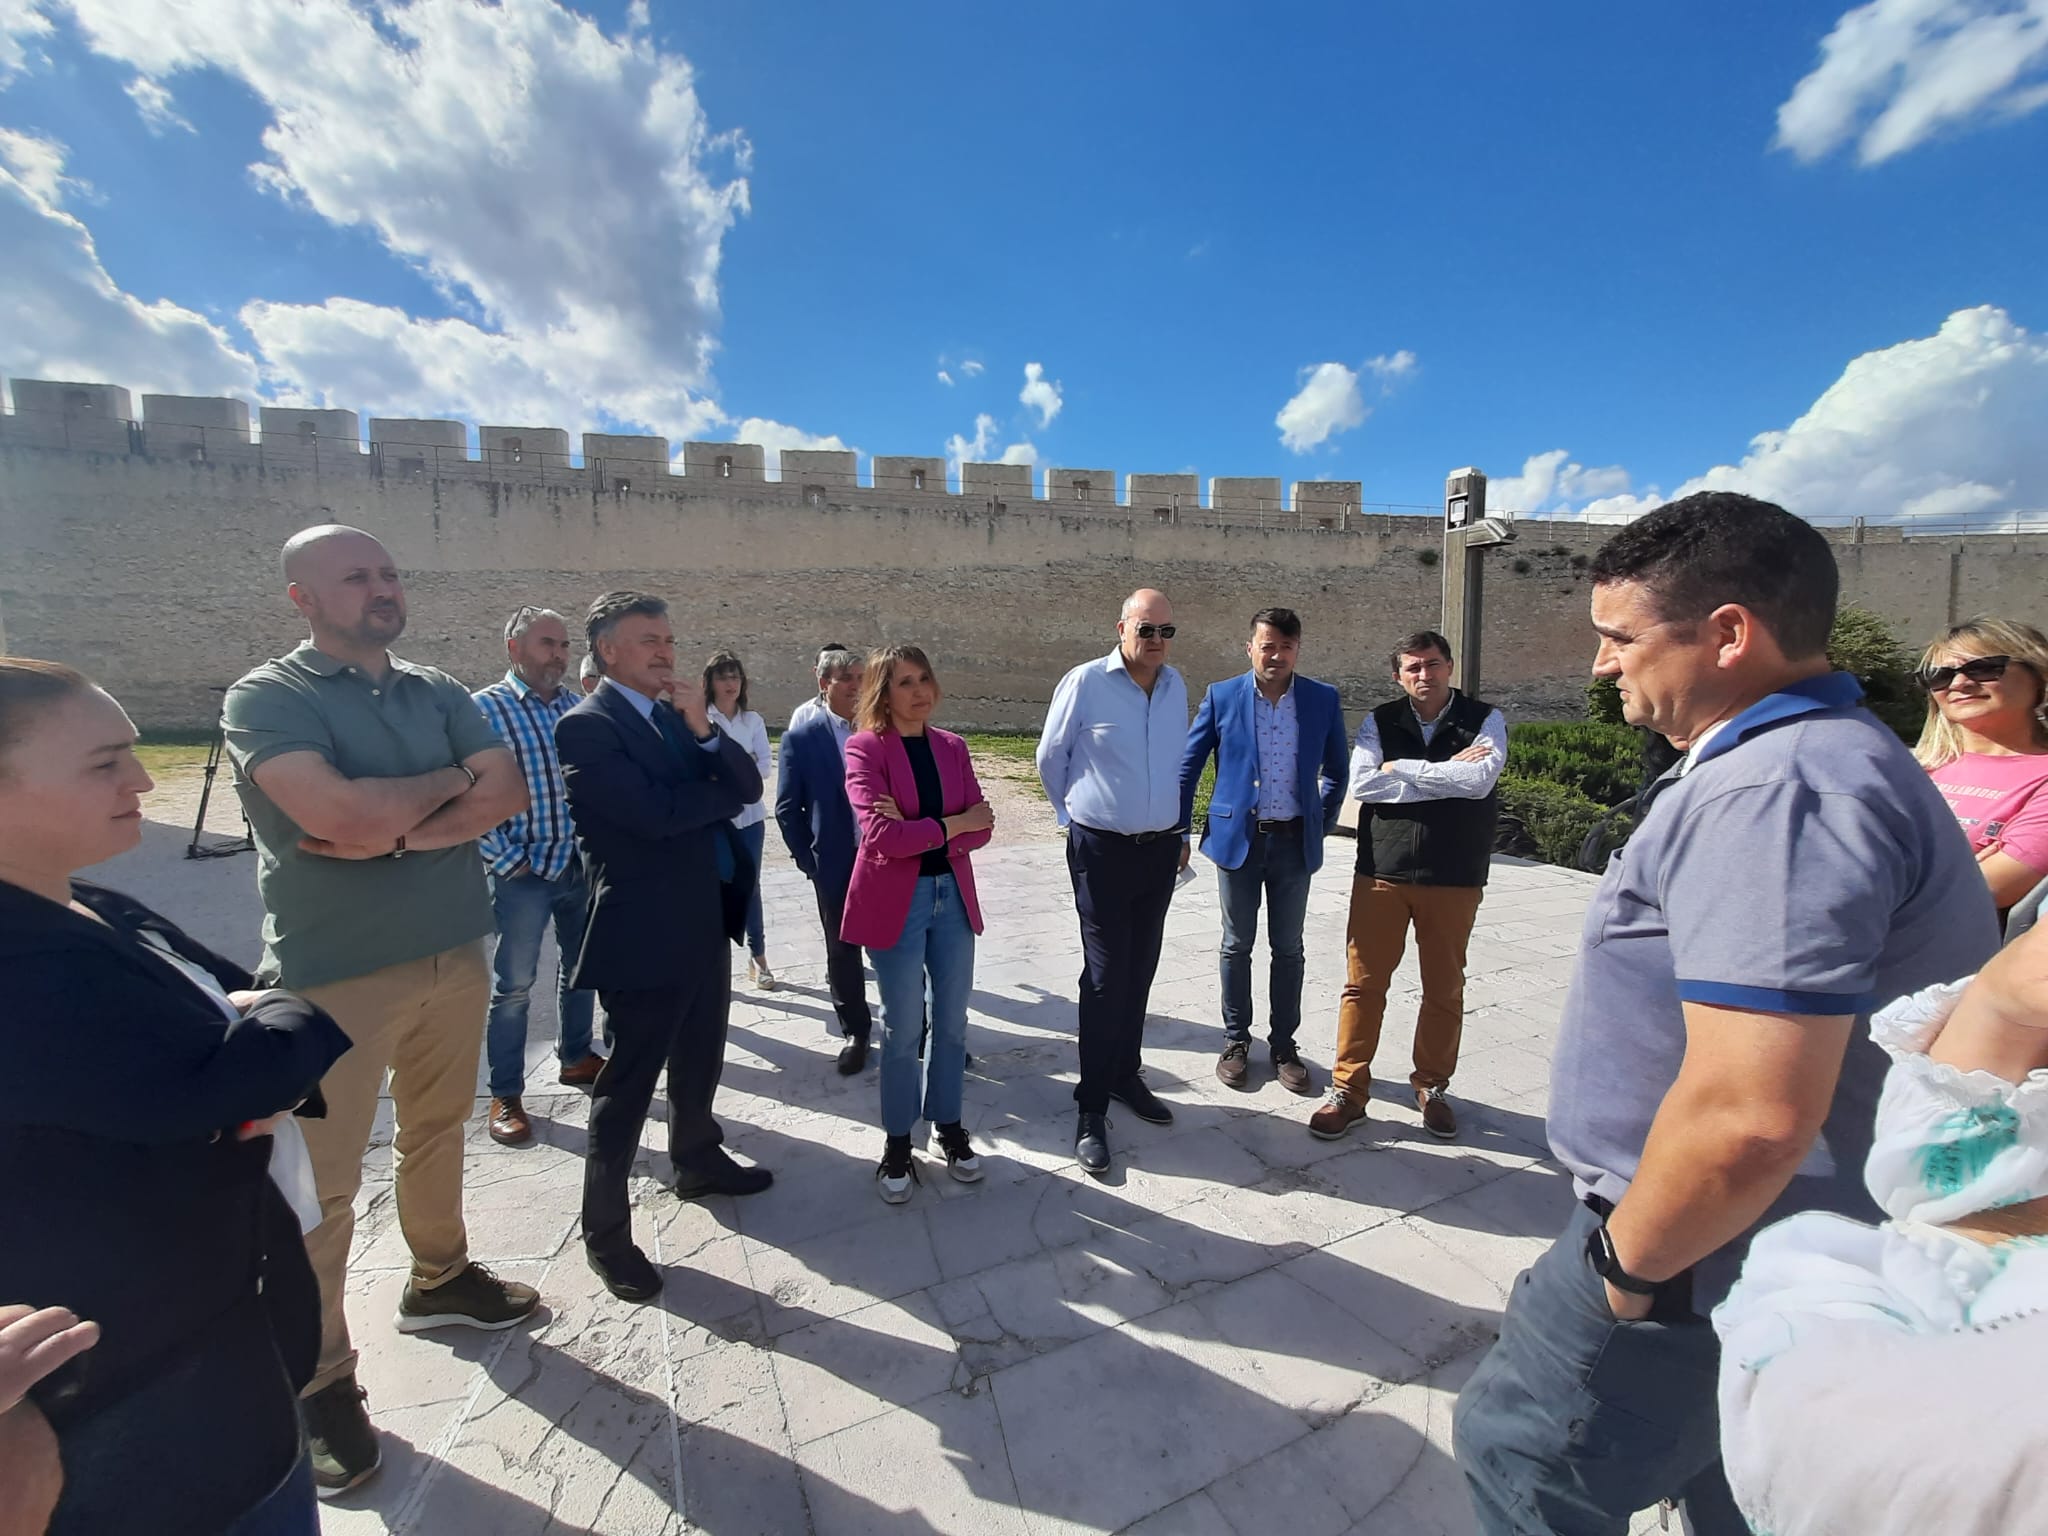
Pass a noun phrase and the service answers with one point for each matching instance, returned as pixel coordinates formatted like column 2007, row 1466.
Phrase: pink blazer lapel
column 902, row 782
column 948, row 752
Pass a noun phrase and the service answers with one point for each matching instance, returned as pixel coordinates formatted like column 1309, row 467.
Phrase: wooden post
column 1464, row 575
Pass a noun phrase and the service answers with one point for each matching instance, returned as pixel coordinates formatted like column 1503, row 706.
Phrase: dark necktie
column 690, row 752
column 670, row 724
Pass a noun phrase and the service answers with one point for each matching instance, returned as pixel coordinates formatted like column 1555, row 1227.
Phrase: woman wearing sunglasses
column 1986, row 745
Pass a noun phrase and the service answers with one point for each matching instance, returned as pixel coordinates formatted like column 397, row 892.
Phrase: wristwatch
column 1607, row 1264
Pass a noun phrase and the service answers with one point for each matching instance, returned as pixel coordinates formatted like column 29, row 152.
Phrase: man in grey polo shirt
column 1713, row 1069
column 368, row 780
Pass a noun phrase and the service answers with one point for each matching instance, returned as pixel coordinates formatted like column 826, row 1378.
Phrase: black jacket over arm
column 125, row 1197
column 650, row 822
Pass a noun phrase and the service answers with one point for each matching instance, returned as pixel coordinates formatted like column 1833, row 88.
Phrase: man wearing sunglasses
column 1109, row 758
column 1714, row 1069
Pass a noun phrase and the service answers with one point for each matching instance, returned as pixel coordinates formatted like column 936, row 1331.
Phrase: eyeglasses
column 1979, row 669
column 1160, row 631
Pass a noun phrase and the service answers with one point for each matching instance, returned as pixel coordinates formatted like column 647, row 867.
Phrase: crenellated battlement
column 99, row 418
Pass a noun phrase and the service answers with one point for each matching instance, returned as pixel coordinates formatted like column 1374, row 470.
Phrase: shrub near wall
column 1562, row 777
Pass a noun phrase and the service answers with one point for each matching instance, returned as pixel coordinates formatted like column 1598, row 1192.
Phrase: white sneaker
column 961, row 1162
column 763, row 977
column 897, row 1171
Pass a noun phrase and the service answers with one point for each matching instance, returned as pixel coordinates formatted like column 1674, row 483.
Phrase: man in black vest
column 1424, row 765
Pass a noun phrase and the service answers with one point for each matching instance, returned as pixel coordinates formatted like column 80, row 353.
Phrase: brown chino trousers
column 1381, row 912
column 423, row 1021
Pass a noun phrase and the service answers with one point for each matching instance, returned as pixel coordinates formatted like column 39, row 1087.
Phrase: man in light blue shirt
column 1109, row 758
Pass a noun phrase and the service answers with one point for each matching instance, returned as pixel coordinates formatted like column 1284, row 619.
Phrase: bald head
column 347, row 585
column 1145, row 653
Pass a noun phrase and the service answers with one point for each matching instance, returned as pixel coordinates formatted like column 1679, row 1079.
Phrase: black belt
column 1140, row 838
column 1290, row 824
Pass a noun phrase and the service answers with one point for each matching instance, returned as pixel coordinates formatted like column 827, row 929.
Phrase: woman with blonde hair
column 725, row 696
column 912, row 903
column 1986, row 745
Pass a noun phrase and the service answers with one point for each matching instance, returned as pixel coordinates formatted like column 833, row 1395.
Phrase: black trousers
column 1122, row 889
column 843, row 973
column 684, row 1027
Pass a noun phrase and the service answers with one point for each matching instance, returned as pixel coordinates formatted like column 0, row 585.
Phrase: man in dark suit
column 1281, row 767
column 817, row 826
column 653, row 787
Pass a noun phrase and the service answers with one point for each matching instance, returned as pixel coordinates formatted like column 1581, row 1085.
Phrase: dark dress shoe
column 626, row 1274
column 853, row 1056
column 508, row 1122
column 724, row 1177
column 581, row 1074
column 1142, row 1102
column 1091, row 1143
column 1292, row 1071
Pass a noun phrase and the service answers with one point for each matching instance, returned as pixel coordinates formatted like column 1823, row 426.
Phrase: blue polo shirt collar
column 1830, row 690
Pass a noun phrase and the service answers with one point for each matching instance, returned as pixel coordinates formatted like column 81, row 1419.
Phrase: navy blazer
column 811, row 806
column 653, row 825
column 1223, row 725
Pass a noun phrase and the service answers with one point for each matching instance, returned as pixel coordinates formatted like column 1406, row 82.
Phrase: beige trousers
column 1381, row 912
column 423, row 1022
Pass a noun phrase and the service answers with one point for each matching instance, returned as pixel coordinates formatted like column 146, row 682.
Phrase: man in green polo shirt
column 368, row 780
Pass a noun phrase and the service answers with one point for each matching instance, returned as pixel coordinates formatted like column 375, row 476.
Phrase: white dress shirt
column 751, row 732
column 1407, row 780
column 1110, row 753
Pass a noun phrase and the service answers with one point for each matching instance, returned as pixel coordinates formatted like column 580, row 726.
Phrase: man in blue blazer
column 1282, row 758
column 817, row 827
column 653, row 786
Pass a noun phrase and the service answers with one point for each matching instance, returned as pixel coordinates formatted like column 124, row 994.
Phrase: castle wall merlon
column 222, row 414
column 1244, row 493
column 832, row 469
column 726, row 461
column 626, row 459
column 1096, row 487
column 297, row 434
column 903, row 472
column 524, row 448
column 1328, row 502
column 1161, row 496
column 59, row 413
column 404, row 438
column 1000, row 481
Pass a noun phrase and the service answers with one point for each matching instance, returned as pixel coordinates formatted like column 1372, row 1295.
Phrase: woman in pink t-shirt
column 1986, row 745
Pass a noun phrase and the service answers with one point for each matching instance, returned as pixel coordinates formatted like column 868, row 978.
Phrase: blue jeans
column 524, row 904
column 934, row 958
column 1274, row 867
column 291, row 1511
column 755, row 837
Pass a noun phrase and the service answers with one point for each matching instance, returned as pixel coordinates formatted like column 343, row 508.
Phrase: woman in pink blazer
column 912, row 903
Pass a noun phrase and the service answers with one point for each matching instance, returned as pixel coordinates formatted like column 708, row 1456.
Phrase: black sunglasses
column 1979, row 669
column 1162, row 631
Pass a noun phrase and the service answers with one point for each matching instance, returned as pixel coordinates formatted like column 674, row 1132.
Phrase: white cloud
column 971, row 369
column 561, row 186
column 62, row 316
column 945, row 378
column 776, row 436
column 1019, row 453
column 1041, row 394
column 1328, row 402
column 20, row 20
column 1391, row 370
column 1895, row 72
column 963, row 450
column 155, row 105
column 1942, row 426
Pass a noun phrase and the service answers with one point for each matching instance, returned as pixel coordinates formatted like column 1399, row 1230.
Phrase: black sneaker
column 1091, row 1143
column 1142, row 1101
column 476, row 1298
column 853, row 1056
column 897, row 1170
column 343, row 1444
column 959, row 1151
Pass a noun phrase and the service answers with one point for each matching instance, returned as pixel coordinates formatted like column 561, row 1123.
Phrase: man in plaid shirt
column 534, row 871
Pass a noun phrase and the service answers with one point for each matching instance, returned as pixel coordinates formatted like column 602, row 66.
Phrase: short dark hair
column 1717, row 547
column 606, row 612
column 725, row 661
column 1286, row 620
column 1414, row 644
column 28, row 688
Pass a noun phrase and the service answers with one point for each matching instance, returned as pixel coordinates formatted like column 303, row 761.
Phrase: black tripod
column 224, row 847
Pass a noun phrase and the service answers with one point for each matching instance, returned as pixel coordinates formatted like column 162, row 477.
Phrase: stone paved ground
column 1241, row 1330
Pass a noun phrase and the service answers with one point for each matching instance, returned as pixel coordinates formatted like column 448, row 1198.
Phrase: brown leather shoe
column 509, row 1125
column 1438, row 1118
column 583, row 1073
column 1233, row 1067
column 1292, row 1071
column 1338, row 1114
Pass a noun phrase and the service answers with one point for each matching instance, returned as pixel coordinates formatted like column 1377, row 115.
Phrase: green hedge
column 1602, row 762
column 1549, row 821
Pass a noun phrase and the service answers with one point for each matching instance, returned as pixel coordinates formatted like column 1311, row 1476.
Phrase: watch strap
column 1607, row 1265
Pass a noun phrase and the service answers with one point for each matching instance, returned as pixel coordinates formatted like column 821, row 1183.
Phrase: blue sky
column 1595, row 249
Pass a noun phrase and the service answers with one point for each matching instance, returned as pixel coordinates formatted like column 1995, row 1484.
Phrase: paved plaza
column 1241, row 1330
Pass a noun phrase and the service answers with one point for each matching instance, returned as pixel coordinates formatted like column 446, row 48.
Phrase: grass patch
column 1015, row 757
column 162, row 752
